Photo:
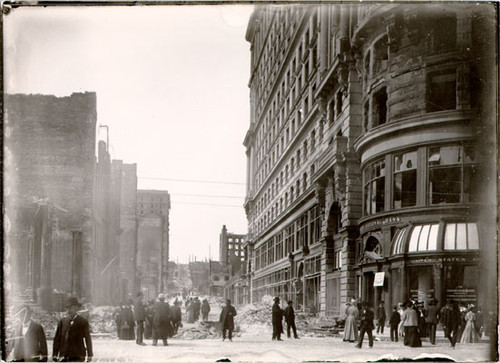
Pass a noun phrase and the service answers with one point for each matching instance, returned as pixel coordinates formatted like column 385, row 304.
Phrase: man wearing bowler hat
column 72, row 342
column 277, row 319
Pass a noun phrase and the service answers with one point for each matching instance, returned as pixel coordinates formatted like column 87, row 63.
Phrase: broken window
column 441, row 91
column 405, row 180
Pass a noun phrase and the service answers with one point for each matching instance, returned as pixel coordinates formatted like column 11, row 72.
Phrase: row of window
column 275, row 277
column 451, row 177
column 304, row 231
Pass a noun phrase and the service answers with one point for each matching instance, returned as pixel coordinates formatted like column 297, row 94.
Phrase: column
column 44, row 292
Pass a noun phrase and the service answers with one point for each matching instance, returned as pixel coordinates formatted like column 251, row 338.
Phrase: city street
column 260, row 348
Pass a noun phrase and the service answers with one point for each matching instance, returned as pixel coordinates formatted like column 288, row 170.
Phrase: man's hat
column 276, row 299
column 73, row 301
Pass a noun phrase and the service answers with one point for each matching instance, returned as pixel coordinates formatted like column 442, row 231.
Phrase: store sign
column 453, row 259
column 462, row 295
column 381, row 222
column 379, row 279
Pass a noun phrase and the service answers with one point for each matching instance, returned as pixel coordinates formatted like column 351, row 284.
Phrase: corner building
column 371, row 153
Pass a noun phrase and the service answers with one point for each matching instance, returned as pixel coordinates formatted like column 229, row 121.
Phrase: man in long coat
column 367, row 326
column 176, row 316
column 277, row 319
column 205, row 309
column 432, row 319
column 139, row 317
column 29, row 342
column 161, row 321
column 290, row 320
column 227, row 320
column 72, row 331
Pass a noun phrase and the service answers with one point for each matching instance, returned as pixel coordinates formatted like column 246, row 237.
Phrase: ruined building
column 49, row 180
column 371, row 154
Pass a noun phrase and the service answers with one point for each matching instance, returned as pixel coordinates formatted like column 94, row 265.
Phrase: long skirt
column 128, row 334
column 470, row 335
column 412, row 338
column 351, row 329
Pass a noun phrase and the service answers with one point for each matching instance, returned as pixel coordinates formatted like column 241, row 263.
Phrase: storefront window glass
column 405, row 180
column 398, row 244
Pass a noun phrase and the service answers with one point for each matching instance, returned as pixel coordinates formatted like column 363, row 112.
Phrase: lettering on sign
column 382, row 221
column 379, row 279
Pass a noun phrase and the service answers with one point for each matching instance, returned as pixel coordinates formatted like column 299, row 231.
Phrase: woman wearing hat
column 72, row 342
column 351, row 323
column 470, row 334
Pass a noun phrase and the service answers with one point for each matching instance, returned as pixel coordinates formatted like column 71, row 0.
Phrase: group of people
column 72, row 341
column 277, row 319
column 194, row 307
column 412, row 320
column 157, row 320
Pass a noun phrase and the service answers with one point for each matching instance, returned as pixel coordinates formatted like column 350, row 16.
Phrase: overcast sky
column 171, row 84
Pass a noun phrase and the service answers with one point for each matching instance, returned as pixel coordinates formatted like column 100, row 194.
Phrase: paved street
column 260, row 348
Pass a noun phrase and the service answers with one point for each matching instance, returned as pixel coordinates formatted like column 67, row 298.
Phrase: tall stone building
column 153, row 207
column 49, row 174
column 371, row 153
column 231, row 251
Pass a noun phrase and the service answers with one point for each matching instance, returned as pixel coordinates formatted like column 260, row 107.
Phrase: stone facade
column 352, row 107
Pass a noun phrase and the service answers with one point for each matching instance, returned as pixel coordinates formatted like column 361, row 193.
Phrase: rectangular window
column 405, row 180
column 374, row 188
column 380, row 107
column 441, row 91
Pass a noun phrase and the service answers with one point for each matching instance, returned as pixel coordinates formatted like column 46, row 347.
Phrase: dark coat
column 176, row 314
column 32, row 346
column 277, row 318
column 205, row 307
column 76, row 332
column 139, row 311
column 395, row 318
column 289, row 314
column 454, row 319
column 432, row 314
column 381, row 313
column 366, row 319
column 227, row 317
column 162, row 328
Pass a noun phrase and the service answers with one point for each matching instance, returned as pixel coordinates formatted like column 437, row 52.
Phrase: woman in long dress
column 351, row 324
column 410, row 324
column 469, row 334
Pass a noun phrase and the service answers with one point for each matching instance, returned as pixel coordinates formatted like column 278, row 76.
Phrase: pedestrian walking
column 394, row 323
column 366, row 318
column 410, row 324
column 176, row 316
column 277, row 319
column 190, row 311
column 118, row 321
column 432, row 319
column 161, row 321
column 227, row 320
column 72, row 342
column 470, row 334
column 290, row 320
column 139, row 317
column 28, row 341
column 205, row 309
column 453, row 324
column 351, row 323
column 381, row 317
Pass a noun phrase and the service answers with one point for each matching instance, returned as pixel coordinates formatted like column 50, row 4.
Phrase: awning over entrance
column 426, row 237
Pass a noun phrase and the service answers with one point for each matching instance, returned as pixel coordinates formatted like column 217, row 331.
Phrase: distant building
column 231, row 251
column 200, row 277
column 153, row 207
column 219, row 276
column 49, row 173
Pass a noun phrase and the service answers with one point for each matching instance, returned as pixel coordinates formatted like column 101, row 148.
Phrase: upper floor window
column 452, row 174
column 374, row 177
column 380, row 107
column 405, row 180
column 441, row 91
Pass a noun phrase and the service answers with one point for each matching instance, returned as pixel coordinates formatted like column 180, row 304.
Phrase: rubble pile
column 255, row 318
column 199, row 330
column 317, row 326
column 101, row 320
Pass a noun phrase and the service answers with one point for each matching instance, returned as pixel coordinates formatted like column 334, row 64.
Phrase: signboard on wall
column 379, row 279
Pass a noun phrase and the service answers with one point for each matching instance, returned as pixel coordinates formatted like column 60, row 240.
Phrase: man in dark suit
column 29, row 342
column 72, row 331
column 367, row 326
column 139, row 317
column 290, row 320
column 277, row 319
column 227, row 320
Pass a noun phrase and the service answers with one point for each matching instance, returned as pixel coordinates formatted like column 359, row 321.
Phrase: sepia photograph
column 243, row 181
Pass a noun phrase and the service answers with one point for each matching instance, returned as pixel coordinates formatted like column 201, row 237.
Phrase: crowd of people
column 413, row 320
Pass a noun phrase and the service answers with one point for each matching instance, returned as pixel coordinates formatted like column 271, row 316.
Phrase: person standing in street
column 29, row 342
column 176, row 316
column 432, row 319
column 410, row 324
column 139, row 317
column 453, row 324
column 72, row 342
column 196, row 308
column 351, row 322
column 161, row 321
column 381, row 317
column 367, row 326
column 277, row 319
column 290, row 320
column 227, row 320
column 394, row 323
column 205, row 309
